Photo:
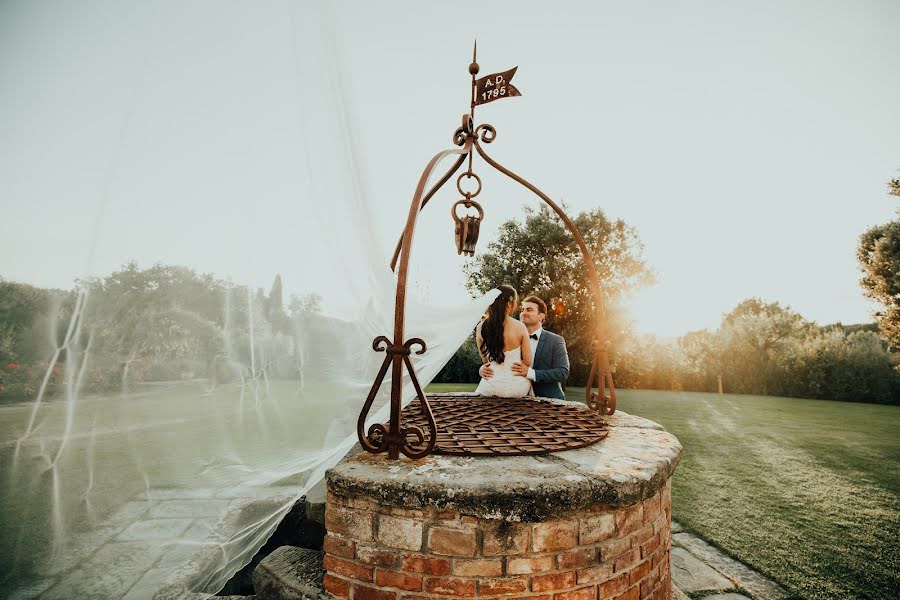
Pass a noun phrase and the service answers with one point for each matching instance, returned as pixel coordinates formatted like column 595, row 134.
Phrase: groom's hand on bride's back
column 519, row 368
column 486, row 371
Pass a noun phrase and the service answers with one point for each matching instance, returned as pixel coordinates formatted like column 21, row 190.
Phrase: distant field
column 805, row 491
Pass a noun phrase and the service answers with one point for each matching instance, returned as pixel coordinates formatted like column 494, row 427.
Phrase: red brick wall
column 376, row 552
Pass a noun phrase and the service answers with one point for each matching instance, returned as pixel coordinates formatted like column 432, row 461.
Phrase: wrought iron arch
column 394, row 439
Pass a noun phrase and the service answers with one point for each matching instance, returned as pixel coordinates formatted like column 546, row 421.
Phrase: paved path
column 703, row 572
column 124, row 555
column 142, row 545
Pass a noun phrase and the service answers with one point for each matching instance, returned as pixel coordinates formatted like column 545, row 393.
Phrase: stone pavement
column 706, row 574
column 146, row 543
column 703, row 572
column 699, row 571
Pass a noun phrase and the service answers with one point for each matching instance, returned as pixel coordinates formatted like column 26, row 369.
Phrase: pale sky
column 749, row 143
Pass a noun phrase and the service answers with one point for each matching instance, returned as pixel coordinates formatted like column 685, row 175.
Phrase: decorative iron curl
column 487, row 132
column 418, row 342
column 407, row 448
column 459, row 137
column 376, row 437
column 416, row 431
column 465, row 131
column 370, row 441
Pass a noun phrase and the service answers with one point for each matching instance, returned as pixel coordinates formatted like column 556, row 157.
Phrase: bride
column 503, row 341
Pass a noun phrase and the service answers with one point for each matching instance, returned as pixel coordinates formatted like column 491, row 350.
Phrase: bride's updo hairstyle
column 492, row 326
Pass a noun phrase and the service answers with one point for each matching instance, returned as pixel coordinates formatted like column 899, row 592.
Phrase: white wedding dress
column 504, row 383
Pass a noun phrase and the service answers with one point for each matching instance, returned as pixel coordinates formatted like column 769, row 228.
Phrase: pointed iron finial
column 473, row 68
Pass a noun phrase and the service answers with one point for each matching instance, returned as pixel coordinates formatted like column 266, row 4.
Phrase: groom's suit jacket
column 551, row 366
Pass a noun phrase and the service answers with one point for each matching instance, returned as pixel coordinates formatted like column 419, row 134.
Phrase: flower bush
column 22, row 382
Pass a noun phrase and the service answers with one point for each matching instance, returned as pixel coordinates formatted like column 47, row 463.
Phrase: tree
column 540, row 256
column 879, row 259
column 26, row 313
column 463, row 366
column 701, row 356
column 752, row 337
column 164, row 311
column 308, row 304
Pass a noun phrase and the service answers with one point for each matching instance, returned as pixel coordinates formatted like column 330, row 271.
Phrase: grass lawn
column 805, row 491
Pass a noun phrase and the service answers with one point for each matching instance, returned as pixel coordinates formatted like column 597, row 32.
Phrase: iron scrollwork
column 379, row 438
column 395, row 439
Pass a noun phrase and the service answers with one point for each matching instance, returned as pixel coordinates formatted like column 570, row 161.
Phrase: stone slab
column 148, row 584
column 691, row 574
column 130, row 511
column 631, row 464
column 182, row 493
column 678, row 594
column 290, row 573
column 155, row 529
column 726, row 596
column 79, row 548
column 179, row 554
column 31, row 591
column 115, row 567
column 188, row 560
column 205, row 507
column 758, row 585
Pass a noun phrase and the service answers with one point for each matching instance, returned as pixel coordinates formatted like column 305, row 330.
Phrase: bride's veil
column 172, row 409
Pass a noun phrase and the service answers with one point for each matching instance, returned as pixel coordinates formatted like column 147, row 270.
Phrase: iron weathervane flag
column 495, row 86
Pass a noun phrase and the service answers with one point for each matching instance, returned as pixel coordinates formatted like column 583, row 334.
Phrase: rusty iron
column 495, row 86
column 467, row 227
column 600, row 372
column 473, row 425
column 394, row 437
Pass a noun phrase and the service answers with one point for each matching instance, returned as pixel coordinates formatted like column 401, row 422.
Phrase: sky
column 749, row 144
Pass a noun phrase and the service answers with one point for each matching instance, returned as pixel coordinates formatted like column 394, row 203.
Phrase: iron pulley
column 467, row 225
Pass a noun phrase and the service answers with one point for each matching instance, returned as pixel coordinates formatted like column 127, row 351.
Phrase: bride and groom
column 519, row 357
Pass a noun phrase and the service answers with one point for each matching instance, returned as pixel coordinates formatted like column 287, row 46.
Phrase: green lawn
column 805, row 491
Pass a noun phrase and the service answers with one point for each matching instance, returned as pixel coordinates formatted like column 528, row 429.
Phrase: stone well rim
column 631, row 464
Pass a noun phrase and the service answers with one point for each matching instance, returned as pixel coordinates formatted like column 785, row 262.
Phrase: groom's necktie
column 532, row 336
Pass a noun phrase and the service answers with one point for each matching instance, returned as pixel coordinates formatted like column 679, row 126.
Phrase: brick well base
column 378, row 552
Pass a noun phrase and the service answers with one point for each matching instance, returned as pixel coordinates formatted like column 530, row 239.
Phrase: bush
column 832, row 366
column 22, row 382
column 463, row 367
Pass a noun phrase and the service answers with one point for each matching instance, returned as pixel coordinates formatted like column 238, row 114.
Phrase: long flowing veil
column 159, row 417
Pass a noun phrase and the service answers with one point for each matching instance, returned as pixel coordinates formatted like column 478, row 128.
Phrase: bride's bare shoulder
column 518, row 326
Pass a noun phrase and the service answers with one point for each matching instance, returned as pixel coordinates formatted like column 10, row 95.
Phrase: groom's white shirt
column 534, row 343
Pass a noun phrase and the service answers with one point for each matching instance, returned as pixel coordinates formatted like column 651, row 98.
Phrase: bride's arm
column 526, row 347
column 484, row 361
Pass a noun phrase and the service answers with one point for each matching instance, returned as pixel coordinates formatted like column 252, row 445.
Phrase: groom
column 550, row 363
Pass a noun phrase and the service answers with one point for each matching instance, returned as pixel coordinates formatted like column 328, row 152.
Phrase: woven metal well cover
column 469, row 424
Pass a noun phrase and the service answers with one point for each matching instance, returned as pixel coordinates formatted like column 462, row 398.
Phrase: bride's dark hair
column 492, row 326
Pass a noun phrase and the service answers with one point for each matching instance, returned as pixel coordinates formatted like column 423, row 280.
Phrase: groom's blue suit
column 551, row 365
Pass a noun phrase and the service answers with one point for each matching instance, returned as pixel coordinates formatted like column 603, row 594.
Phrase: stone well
column 592, row 523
